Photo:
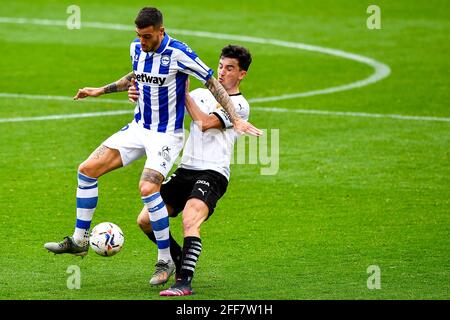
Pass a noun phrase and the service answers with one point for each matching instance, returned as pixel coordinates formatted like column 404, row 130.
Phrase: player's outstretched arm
column 202, row 120
column 120, row 85
column 222, row 97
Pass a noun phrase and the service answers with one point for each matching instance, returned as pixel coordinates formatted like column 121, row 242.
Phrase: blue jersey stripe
column 181, row 65
column 147, row 106
column 147, row 93
column 183, row 47
column 148, row 63
column 180, row 91
column 137, row 52
column 163, row 109
column 161, row 80
column 138, row 114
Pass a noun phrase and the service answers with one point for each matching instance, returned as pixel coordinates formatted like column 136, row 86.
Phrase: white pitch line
column 263, row 109
column 381, row 70
column 67, row 116
column 59, row 98
column 352, row 114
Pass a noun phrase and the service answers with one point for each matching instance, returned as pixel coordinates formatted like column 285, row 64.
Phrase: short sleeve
column 188, row 62
column 242, row 110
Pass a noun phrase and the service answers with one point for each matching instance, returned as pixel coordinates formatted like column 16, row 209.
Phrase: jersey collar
column 163, row 44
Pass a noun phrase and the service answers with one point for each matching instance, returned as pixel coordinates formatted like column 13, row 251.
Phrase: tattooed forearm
column 120, row 85
column 152, row 176
column 222, row 97
column 111, row 88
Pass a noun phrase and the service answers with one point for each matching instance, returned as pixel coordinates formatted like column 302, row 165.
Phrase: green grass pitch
column 350, row 191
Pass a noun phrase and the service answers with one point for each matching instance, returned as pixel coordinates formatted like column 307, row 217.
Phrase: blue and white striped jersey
column 161, row 80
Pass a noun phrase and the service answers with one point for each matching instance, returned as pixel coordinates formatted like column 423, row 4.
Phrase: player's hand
column 88, row 92
column 133, row 93
column 244, row 127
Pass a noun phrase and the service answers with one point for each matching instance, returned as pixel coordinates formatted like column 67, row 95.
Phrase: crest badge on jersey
column 165, row 60
column 136, row 57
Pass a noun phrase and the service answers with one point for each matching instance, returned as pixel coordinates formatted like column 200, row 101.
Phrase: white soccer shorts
column 133, row 141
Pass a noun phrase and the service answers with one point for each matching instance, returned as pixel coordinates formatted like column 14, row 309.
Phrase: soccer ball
column 106, row 239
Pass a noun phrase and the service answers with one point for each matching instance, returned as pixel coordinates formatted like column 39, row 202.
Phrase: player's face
column 150, row 37
column 229, row 73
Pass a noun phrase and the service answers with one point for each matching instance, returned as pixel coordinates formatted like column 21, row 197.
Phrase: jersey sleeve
column 134, row 53
column 242, row 110
column 188, row 62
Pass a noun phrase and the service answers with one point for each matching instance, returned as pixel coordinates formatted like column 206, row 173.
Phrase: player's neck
column 233, row 91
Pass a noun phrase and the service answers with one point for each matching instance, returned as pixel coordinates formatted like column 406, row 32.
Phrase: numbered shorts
column 184, row 184
column 134, row 141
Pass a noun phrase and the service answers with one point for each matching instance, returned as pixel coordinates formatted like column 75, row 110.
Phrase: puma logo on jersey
column 203, row 192
column 143, row 77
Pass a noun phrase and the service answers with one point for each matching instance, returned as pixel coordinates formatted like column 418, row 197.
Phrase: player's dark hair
column 147, row 17
column 242, row 55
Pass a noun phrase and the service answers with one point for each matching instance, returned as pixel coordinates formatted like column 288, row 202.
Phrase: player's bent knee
column 88, row 169
column 143, row 217
column 144, row 225
column 147, row 188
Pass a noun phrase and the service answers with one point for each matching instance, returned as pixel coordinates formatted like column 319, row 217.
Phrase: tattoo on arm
column 120, row 85
column 152, row 176
column 222, row 97
column 111, row 88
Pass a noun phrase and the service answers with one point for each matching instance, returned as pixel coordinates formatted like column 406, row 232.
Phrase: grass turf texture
column 350, row 192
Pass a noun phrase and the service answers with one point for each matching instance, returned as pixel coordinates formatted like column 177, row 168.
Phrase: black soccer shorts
column 184, row 184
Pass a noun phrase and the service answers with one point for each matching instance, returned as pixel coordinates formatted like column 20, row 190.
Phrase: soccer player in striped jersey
column 161, row 66
column 202, row 176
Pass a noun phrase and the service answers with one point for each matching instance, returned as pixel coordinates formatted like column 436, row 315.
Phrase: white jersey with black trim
column 161, row 80
column 212, row 149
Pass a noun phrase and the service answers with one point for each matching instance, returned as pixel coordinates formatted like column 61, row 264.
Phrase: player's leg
column 143, row 221
column 162, row 150
column 175, row 192
column 101, row 161
column 194, row 214
column 149, row 186
column 208, row 189
column 120, row 149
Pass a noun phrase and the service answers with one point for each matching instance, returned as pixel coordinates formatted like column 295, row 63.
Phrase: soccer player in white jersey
column 202, row 177
column 161, row 66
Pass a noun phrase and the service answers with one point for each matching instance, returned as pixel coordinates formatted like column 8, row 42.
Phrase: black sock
column 191, row 251
column 175, row 250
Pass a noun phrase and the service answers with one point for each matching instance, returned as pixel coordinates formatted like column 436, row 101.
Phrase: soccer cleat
column 180, row 288
column 162, row 273
column 68, row 245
